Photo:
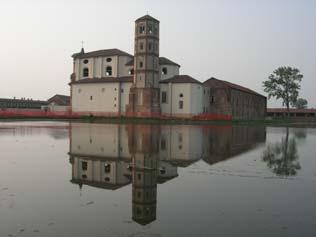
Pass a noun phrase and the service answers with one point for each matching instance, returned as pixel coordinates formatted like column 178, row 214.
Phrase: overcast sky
column 239, row 41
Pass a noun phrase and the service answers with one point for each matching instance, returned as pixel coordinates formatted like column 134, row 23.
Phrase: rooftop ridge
column 101, row 52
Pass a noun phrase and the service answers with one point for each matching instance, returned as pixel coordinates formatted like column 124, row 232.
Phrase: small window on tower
column 163, row 144
column 85, row 61
column 180, row 138
column 149, row 46
column 85, row 72
column 131, row 72
column 108, row 71
column 141, row 46
column 91, row 98
column 142, row 29
column 140, row 64
column 107, row 168
column 150, row 29
column 164, row 71
column 181, row 95
column 109, row 60
column 84, row 165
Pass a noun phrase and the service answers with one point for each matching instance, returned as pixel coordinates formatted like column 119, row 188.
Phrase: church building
column 113, row 83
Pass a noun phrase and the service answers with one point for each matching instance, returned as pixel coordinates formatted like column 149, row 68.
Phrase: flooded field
column 61, row 179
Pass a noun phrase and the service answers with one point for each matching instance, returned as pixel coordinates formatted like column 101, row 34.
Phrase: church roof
column 166, row 61
column 103, row 80
column 162, row 61
column 216, row 83
column 60, row 99
column 97, row 184
column 101, row 53
column 180, row 79
column 147, row 17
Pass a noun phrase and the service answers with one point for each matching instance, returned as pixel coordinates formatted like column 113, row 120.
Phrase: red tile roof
column 166, row 61
column 101, row 53
column 60, row 99
column 103, row 80
column 162, row 61
column 231, row 85
column 147, row 17
column 180, row 79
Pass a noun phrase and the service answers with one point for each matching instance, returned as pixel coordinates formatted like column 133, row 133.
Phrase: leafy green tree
column 301, row 103
column 284, row 83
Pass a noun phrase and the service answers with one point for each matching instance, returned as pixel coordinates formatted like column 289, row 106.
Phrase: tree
column 284, row 83
column 282, row 158
column 301, row 103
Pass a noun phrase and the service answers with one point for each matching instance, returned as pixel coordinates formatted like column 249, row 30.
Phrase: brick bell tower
column 144, row 97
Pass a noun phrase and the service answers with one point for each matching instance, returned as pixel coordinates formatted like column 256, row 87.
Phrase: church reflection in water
column 112, row 156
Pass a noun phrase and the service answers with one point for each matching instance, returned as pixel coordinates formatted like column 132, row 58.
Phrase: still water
column 61, row 179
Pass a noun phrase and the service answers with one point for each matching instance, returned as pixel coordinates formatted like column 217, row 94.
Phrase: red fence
column 16, row 113
column 206, row 116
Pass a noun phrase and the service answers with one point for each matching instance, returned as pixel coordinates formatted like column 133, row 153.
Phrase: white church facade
column 114, row 83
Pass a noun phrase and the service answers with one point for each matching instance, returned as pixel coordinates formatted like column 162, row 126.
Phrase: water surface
column 61, row 179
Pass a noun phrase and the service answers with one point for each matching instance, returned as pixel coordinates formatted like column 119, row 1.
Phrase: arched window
column 141, row 29
column 164, row 71
column 108, row 71
column 150, row 29
column 85, row 72
column 131, row 72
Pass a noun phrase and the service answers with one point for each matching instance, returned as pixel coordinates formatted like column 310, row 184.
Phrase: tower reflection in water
column 111, row 156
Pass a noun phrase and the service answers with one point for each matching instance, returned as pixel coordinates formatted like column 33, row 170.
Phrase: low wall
column 33, row 113
column 295, row 119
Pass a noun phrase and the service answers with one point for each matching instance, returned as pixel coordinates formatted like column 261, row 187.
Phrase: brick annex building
column 112, row 82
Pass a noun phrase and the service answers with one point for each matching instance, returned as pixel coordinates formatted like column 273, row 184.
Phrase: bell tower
column 144, row 97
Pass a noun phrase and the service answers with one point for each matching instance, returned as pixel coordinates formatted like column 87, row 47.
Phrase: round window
column 85, row 61
column 109, row 60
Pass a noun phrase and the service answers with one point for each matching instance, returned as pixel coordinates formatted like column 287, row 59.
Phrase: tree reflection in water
column 282, row 158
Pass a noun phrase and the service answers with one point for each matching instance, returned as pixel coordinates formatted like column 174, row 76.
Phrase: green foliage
column 301, row 103
column 284, row 83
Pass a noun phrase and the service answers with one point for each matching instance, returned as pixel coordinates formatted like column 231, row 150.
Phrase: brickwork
column 238, row 102
column 144, row 94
